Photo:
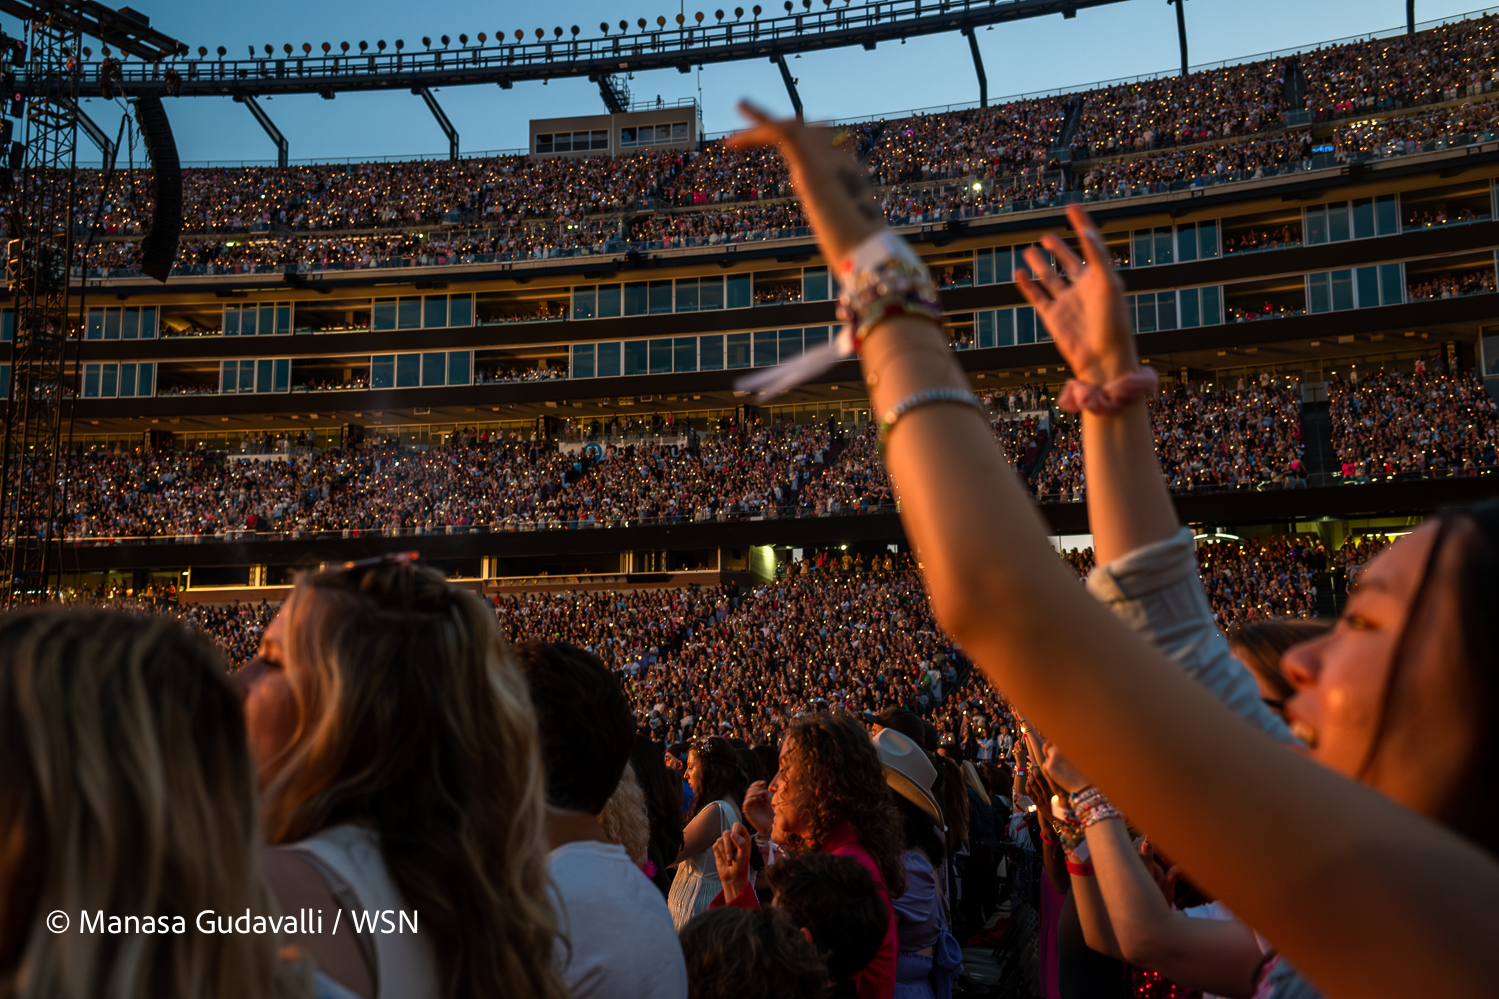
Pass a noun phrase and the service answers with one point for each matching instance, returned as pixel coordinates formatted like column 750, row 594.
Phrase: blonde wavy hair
column 625, row 819
column 126, row 788
column 415, row 722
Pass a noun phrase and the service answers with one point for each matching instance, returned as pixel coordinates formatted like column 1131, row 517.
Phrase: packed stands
column 1179, row 111
column 1429, row 422
column 1208, row 437
column 1214, row 126
column 1248, row 580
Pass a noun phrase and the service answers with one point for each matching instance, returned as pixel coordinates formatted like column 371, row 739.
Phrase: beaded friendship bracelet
column 881, row 279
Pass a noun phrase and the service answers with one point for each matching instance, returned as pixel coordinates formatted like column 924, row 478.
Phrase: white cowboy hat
column 908, row 771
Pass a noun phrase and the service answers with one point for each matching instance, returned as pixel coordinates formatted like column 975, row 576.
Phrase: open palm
column 1083, row 307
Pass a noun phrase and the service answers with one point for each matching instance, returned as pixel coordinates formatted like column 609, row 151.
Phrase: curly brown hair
column 844, row 782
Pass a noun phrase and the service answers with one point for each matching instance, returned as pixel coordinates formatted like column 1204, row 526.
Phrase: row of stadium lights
column 520, row 33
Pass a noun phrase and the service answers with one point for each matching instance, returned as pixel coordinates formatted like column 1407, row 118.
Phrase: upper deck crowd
column 1386, row 97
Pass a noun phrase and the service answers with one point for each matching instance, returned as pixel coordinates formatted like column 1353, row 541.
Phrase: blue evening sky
column 1126, row 39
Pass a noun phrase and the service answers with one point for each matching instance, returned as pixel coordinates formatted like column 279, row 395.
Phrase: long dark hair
column 663, row 793
column 723, row 773
column 845, row 783
column 1473, row 808
column 920, row 831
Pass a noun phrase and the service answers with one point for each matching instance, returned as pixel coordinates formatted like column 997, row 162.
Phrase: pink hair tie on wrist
column 1107, row 400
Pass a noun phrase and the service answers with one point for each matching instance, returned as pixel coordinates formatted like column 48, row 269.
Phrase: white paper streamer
column 799, row 370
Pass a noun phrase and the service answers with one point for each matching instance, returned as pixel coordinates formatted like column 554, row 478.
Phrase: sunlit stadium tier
column 526, row 366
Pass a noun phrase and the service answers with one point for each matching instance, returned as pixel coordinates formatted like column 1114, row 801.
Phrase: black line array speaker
column 159, row 248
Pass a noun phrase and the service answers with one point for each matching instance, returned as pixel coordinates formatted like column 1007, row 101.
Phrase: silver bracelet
column 926, row 397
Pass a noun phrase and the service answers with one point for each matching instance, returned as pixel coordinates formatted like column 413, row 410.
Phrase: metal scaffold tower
column 42, row 212
column 40, row 173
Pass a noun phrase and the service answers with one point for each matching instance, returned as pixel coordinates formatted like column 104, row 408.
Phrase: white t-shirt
column 623, row 943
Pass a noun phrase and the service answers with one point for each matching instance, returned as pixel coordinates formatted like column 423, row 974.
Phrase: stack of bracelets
column 1082, row 809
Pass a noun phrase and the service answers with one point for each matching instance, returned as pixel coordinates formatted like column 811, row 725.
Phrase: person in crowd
column 626, row 822
column 1406, row 655
column 717, row 779
column 839, row 909
column 127, row 795
column 930, row 957
column 1259, row 646
column 750, row 954
column 409, row 779
column 617, row 934
column 829, row 796
column 983, row 846
column 663, row 805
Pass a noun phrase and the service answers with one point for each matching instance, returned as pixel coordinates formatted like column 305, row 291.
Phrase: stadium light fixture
column 787, row 5
column 287, row 48
column 307, row 48
column 343, row 47
column 327, row 48
column 757, row 11
column 575, row 30
column 222, row 53
column 202, row 51
column 604, row 27
column 661, row 21
column 698, row 17
column 270, row 50
column 463, row 40
column 738, row 13
column 446, row 41
column 250, row 47
column 363, row 47
column 426, row 42
column 641, row 22
column 624, row 26
column 718, row 14
column 380, row 45
column 540, row 34
column 483, row 38
column 557, row 31
column 519, row 34
column 681, row 20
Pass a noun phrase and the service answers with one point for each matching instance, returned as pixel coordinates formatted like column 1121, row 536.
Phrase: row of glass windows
column 264, row 319
column 651, row 298
column 130, row 323
column 572, row 142
column 1355, row 288
column 108, row 380
column 1360, row 219
column 1147, row 248
column 1171, row 310
column 677, row 355
column 414, row 312
column 266, row 374
column 649, row 135
column 1008, row 327
column 425, row 370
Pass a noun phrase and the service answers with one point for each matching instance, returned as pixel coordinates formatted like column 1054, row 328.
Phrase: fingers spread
column 1089, row 237
column 1033, row 292
column 1063, row 254
column 1043, row 273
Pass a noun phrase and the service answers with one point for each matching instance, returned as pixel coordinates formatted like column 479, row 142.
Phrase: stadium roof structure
column 691, row 41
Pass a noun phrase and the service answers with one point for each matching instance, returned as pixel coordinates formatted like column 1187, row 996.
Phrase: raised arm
column 1147, row 569
column 1362, row 878
column 1128, row 505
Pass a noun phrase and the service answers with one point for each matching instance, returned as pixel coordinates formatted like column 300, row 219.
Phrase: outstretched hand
column 829, row 182
column 731, row 854
column 1060, row 771
column 1083, row 307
